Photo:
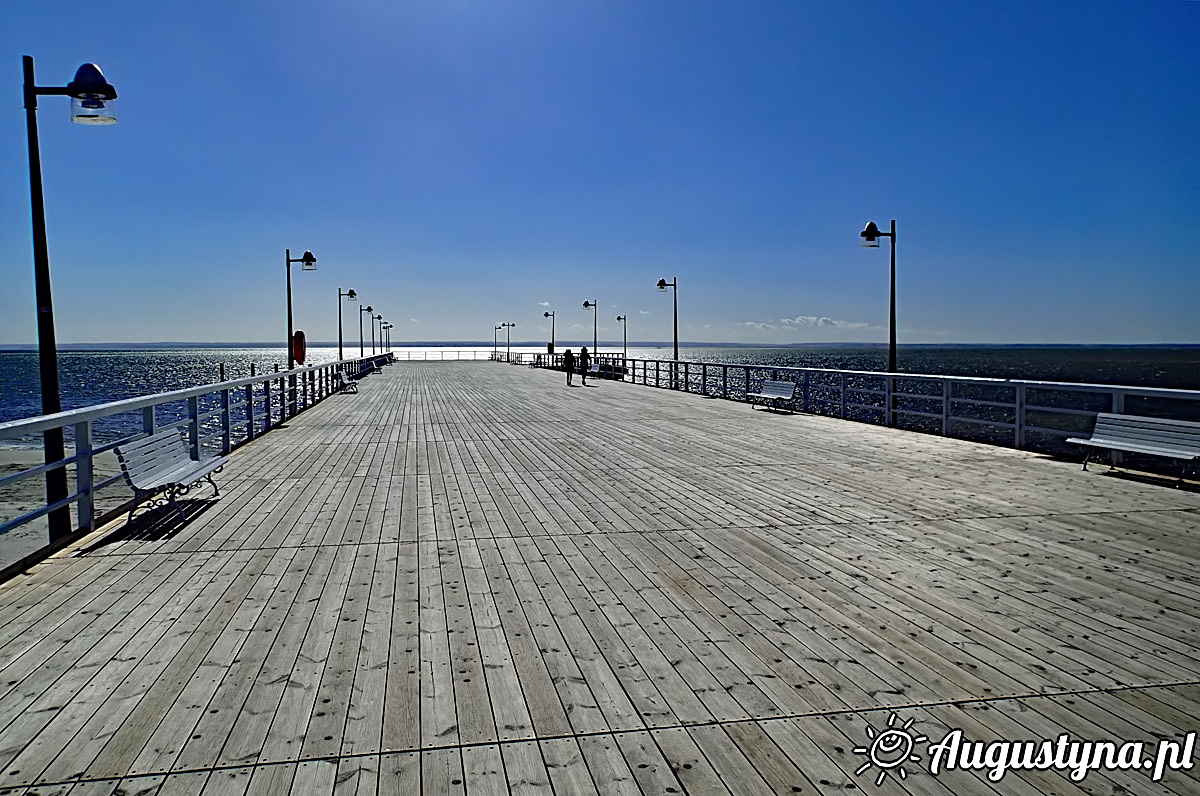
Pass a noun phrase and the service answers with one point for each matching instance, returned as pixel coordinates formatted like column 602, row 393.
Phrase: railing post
column 267, row 403
column 889, row 387
column 148, row 424
column 843, row 396
column 806, row 403
column 687, row 379
column 946, row 388
column 194, row 426
column 1118, row 408
column 725, row 382
column 225, row 421
column 249, row 412
column 657, row 376
column 1020, row 417
column 84, row 476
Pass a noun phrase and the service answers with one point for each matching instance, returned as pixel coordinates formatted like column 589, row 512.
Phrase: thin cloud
column 822, row 322
column 543, row 303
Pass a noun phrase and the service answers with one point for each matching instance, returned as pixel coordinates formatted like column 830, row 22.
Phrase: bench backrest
column 779, row 389
column 1154, row 431
column 159, row 451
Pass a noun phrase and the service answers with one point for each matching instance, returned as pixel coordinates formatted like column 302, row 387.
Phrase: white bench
column 776, row 392
column 162, row 463
column 1156, row 436
column 344, row 384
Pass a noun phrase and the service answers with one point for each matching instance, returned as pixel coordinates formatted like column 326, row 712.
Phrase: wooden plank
column 185, row 714
column 566, row 767
column 286, row 735
column 483, row 771
column 311, row 570
column 400, row 774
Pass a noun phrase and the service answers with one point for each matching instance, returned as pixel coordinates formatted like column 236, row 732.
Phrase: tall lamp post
column 496, row 343
column 624, row 321
column 871, row 235
column 663, row 284
column 508, row 342
column 92, row 99
column 550, row 315
column 308, row 263
column 387, row 330
column 374, row 319
column 595, row 319
column 362, row 347
column 349, row 296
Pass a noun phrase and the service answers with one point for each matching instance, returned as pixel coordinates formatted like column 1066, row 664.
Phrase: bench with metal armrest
column 162, row 463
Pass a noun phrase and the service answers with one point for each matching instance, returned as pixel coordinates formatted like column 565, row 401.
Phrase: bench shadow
column 154, row 524
column 1151, row 479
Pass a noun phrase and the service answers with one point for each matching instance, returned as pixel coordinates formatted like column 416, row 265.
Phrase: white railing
column 216, row 417
column 1027, row 414
column 440, row 354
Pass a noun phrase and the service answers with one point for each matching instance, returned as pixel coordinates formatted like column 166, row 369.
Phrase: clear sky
column 462, row 163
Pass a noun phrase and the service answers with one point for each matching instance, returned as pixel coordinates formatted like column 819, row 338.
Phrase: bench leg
column 174, row 504
column 216, row 492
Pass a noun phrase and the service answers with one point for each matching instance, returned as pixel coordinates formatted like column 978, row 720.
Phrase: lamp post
column 550, row 315
column 387, row 330
column 351, row 296
column 496, row 343
column 308, row 263
column 871, row 235
column 624, row 321
column 361, row 342
column 595, row 320
column 374, row 318
column 663, row 284
column 91, row 103
column 508, row 342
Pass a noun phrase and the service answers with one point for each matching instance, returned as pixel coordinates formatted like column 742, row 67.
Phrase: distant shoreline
column 9, row 348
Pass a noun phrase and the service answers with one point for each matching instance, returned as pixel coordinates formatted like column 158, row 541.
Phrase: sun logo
column 890, row 749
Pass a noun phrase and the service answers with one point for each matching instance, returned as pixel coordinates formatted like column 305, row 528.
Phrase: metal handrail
column 295, row 391
column 966, row 402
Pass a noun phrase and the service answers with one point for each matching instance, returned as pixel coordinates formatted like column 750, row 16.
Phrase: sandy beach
column 30, row 493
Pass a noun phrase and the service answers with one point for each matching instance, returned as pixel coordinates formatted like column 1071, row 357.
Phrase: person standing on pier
column 568, row 364
column 584, row 361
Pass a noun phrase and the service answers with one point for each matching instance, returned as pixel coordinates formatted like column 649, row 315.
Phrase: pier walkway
column 471, row 579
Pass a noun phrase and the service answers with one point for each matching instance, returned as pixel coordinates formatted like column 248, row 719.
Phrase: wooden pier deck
column 470, row 579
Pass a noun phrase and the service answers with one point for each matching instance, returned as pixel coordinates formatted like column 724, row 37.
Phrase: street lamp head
column 547, row 314
column 92, row 97
column 369, row 309
column 588, row 304
column 352, row 295
column 870, row 236
column 308, row 262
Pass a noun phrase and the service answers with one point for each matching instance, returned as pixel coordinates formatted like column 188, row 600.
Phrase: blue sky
column 462, row 164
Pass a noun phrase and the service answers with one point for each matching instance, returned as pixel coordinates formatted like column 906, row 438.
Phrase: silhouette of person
column 584, row 361
column 569, row 365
